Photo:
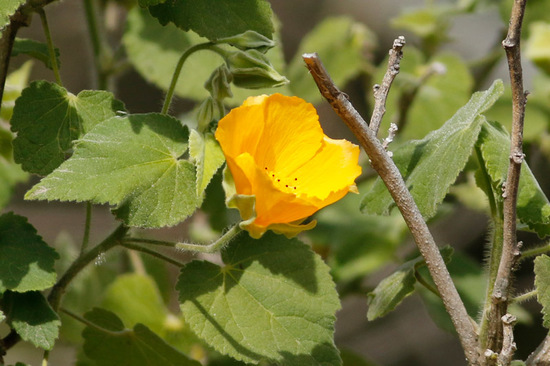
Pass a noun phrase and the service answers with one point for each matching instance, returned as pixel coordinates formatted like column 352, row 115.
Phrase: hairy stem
column 510, row 246
column 215, row 246
column 535, row 251
column 391, row 176
column 541, row 356
column 152, row 253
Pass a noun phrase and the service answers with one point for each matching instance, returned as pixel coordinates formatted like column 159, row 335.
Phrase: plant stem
column 510, row 246
column 87, row 225
column 177, row 72
column 59, row 288
column 149, row 241
column 215, row 246
column 391, row 176
column 153, row 253
column 51, row 49
column 541, row 356
column 90, row 324
column 535, row 251
column 7, row 39
column 98, row 45
column 381, row 91
column 525, row 297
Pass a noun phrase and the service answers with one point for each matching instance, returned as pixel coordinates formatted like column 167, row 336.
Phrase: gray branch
column 385, row 167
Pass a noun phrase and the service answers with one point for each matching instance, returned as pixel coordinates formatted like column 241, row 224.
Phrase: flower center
column 284, row 184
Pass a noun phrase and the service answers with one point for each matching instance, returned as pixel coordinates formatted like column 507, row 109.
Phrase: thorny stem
column 177, row 72
column 510, row 246
column 51, row 49
column 381, row 91
column 391, row 176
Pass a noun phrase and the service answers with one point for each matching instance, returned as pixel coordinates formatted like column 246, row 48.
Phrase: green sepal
column 252, row 70
column 248, row 40
column 246, row 204
column 207, row 155
column 219, row 83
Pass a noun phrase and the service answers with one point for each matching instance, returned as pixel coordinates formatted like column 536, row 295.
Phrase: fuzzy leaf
column 542, row 283
column 137, row 347
column 26, row 261
column 7, row 9
column 274, row 299
column 215, row 19
column 429, row 166
column 206, row 154
column 32, row 318
column 47, row 118
column 533, row 207
column 392, row 290
column 35, row 49
column 133, row 162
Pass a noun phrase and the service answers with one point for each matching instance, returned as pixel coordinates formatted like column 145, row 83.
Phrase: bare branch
column 508, row 345
column 510, row 246
column 385, row 167
column 541, row 356
column 391, row 135
column 381, row 91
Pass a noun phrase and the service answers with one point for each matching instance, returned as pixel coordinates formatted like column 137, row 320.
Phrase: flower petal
column 333, row 169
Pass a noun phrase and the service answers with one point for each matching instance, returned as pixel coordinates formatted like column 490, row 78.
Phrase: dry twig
column 510, row 248
column 381, row 91
column 385, row 167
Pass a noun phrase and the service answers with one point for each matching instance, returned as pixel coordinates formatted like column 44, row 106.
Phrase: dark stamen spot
column 295, row 178
column 278, row 180
column 286, row 185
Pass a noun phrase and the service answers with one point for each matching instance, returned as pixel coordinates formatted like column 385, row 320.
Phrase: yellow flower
column 284, row 168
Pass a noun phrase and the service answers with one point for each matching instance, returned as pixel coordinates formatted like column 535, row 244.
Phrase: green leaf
column 341, row 43
column 538, row 47
column 430, row 22
column 133, row 162
column 108, row 343
column 32, row 318
column 135, row 298
column 26, row 261
column 7, row 9
column 392, row 290
column 16, row 81
column 273, row 299
column 35, row 49
column 533, row 207
column 206, row 154
column 47, row 119
column 429, row 166
column 215, row 19
column 542, row 283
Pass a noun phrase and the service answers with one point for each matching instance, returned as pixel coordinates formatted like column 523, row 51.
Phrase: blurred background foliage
column 453, row 49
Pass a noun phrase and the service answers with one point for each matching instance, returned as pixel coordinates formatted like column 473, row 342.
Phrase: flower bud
column 205, row 113
column 252, row 70
column 249, row 40
column 219, row 83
